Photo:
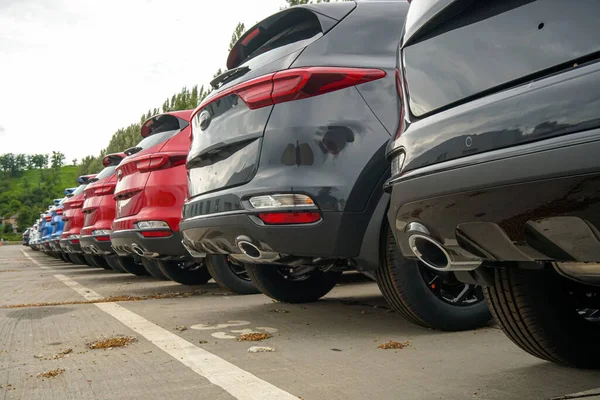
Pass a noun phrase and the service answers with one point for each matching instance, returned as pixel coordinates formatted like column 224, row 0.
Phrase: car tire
column 130, row 265
column 273, row 282
column 77, row 259
column 113, row 263
column 536, row 311
column 97, row 261
column 153, row 269
column 229, row 276
column 403, row 284
column 185, row 272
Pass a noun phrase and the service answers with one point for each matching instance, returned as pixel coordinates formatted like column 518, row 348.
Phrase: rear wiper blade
column 133, row 150
column 228, row 75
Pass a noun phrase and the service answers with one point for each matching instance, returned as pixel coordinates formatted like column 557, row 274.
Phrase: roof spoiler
column 83, row 179
column 56, row 201
column 328, row 14
column 166, row 122
column 110, row 160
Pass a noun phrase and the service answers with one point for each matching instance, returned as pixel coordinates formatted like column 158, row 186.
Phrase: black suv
column 495, row 167
column 287, row 163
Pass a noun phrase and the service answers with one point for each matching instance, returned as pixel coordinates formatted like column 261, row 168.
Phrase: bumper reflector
column 156, row 234
column 290, row 218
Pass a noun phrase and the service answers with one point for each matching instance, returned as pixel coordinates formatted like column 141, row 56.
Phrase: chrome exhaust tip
column 433, row 254
column 249, row 249
column 94, row 250
column 138, row 250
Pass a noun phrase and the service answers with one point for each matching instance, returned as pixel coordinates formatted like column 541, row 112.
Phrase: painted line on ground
column 237, row 382
column 34, row 261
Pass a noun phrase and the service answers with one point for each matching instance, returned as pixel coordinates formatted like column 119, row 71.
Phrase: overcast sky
column 72, row 72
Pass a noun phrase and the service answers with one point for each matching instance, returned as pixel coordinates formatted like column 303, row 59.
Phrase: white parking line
column 34, row 261
column 234, row 380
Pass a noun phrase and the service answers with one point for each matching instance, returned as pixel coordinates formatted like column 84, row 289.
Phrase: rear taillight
column 76, row 204
column 287, row 218
column 59, row 211
column 295, row 84
column 107, row 188
column 156, row 161
column 48, row 218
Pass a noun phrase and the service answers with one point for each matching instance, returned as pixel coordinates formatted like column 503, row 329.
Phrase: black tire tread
column 517, row 302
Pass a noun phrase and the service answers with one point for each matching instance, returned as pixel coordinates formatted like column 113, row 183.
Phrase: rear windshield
column 105, row 173
column 79, row 190
column 156, row 138
column 297, row 28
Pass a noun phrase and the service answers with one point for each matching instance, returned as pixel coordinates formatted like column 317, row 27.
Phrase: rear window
column 295, row 27
column 79, row 190
column 156, row 138
column 105, row 173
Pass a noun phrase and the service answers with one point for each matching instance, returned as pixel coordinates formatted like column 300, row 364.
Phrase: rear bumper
column 128, row 242
column 535, row 202
column 68, row 247
column 337, row 236
column 90, row 245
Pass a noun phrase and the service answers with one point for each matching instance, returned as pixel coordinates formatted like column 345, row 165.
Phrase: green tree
column 74, row 161
column 57, row 160
column 8, row 228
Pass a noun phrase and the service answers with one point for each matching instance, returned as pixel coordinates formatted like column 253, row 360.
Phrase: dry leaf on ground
column 181, row 328
column 393, row 345
column 52, row 373
column 111, row 342
column 254, row 337
column 61, row 354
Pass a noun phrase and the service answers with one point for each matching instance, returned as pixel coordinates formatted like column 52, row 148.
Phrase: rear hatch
column 135, row 169
column 73, row 211
column 100, row 190
column 228, row 126
column 456, row 50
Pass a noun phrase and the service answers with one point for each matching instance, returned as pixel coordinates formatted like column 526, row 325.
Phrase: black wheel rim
column 447, row 288
column 238, row 270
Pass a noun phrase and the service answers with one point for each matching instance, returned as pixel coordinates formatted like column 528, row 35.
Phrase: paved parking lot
column 187, row 344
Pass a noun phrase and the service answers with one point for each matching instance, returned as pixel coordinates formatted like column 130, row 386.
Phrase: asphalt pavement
column 184, row 344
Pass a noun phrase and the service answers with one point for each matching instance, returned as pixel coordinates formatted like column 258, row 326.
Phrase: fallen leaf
column 393, row 345
column 202, row 341
column 51, row 374
column 254, row 337
column 278, row 310
column 181, row 328
column 111, row 342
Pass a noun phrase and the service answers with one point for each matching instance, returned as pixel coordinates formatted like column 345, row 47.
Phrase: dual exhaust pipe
column 434, row 254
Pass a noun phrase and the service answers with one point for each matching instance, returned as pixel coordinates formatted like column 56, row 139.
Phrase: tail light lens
column 59, row 211
column 290, row 218
column 107, row 188
column 48, row 218
column 295, row 84
column 157, row 161
column 76, row 204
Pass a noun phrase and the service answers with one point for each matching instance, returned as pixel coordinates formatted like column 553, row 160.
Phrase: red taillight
column 156, row 161
column 105, row 238
column 59, row 211
column 156, row 234
column 74, row 241
column 107, row 188
column 290, row 218
column 76, row 204
column 48, row 218
column 295, row 84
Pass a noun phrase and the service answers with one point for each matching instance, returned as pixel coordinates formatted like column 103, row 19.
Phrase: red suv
column 73, row 219
column 151, row 188
column 99, row 212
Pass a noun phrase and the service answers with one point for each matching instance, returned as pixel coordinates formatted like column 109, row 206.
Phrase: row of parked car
column 279, row 181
